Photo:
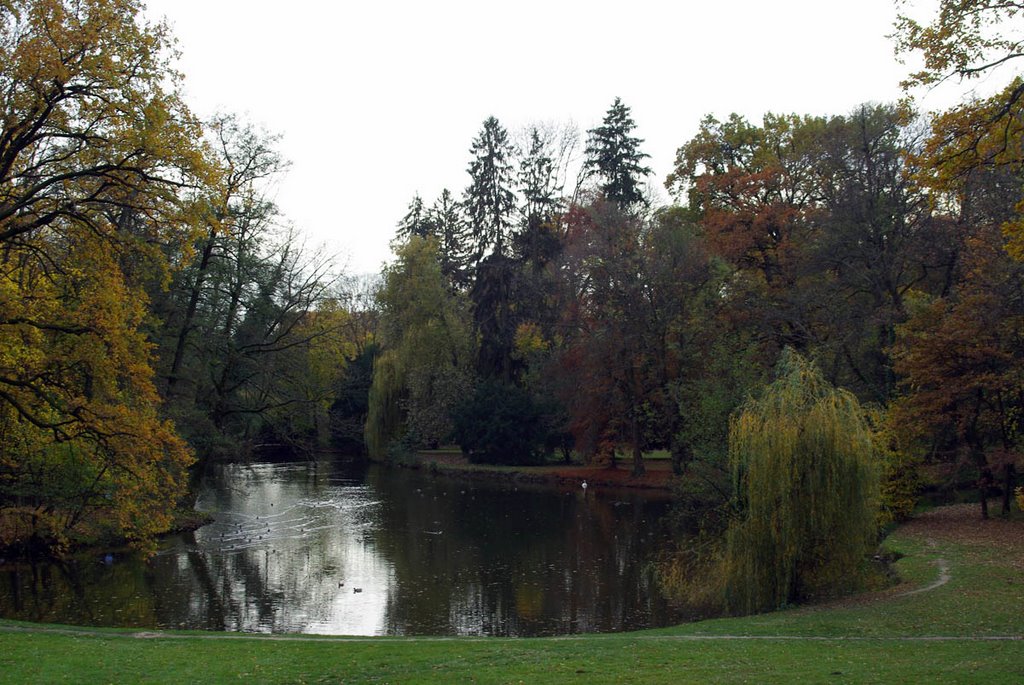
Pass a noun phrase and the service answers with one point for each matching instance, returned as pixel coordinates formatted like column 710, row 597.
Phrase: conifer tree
column 490, row 202
column 417, row 221
column 538, row 183
column 614, row 157
column 445, row 216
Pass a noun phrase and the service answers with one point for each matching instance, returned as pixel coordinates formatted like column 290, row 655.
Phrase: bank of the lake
column 657, row 474
column 957, row 616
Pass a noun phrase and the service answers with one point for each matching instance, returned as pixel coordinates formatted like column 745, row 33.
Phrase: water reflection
column 347, row 549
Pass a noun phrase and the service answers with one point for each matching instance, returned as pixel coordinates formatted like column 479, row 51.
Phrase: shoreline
column 184, row 520
column 657, row 477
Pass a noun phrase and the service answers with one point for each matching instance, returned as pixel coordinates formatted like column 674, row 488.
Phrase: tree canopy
column 97, row 158
column 158, row 312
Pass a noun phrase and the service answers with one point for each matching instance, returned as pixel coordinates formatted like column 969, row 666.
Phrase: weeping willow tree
column 428, row 350
column 807, row 491
column 384, row 415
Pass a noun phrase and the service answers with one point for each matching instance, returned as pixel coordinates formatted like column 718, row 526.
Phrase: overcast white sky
column 378, row 100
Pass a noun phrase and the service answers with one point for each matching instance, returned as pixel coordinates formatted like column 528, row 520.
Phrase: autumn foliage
column 145, row 275
column 94, row 154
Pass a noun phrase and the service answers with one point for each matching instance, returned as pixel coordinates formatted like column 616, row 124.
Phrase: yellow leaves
column 969, row 39
column 147, row 472
column 965, row 38
column 86, row 102
column 898, row 464
column 978, row 138
column 529, row 340
column 807, row 485
column 1013, row 231
column 99, row 153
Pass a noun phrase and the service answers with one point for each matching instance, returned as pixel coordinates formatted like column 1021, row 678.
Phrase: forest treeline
column 157, row 312
column 536, row 319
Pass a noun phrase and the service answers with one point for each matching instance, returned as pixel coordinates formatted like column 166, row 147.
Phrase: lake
column 342, row 548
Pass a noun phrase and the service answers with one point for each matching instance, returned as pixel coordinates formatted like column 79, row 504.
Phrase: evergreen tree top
column 490, row 199
column 538, row 184
column 614, row 156
column 416, row 221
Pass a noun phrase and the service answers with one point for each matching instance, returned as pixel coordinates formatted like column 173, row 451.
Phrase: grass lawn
column 966, row 630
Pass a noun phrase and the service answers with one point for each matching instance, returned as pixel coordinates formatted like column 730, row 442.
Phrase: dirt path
column 961, row 524
column 944, row 575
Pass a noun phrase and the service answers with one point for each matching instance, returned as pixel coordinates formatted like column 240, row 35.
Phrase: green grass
column 855, row 642
column 619, row 659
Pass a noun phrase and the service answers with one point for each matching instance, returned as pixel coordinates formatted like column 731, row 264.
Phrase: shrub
column 899, row 478
column 500, row 423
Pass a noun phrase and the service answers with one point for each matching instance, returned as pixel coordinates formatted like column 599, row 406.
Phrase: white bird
column 584, row 486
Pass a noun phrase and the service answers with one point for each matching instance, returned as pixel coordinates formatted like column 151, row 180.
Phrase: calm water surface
column 361, row 550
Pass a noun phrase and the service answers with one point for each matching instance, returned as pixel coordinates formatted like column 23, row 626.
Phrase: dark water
column 355, row 550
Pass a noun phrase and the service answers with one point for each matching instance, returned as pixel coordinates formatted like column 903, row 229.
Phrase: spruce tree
column 416, row 222
column 538, row 184
column 490, row 202
column 452, row 240
column 614, row 157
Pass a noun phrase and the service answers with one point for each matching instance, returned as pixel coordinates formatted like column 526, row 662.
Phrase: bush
column 900, row 482
column 500, row 423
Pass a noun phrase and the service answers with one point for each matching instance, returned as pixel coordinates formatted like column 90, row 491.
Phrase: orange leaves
column 753, row 184
column 968, row 39
column 960, row 356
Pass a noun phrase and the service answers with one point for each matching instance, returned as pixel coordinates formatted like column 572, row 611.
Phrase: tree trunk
column 977, row 452
column 638, row 457
column 1009, row 480
column 190, row 312
column 682, row 455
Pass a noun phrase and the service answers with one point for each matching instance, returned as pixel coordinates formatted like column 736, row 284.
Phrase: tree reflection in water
column 357, row 550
